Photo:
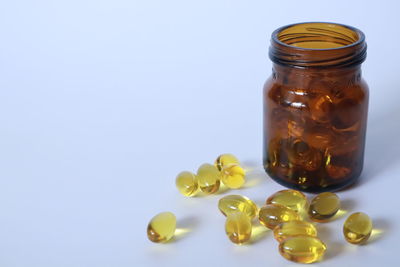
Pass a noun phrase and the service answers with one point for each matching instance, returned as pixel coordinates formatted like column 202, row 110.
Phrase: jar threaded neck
column 317, row 45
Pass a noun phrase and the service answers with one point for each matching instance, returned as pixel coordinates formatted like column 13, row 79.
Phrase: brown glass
column 315, row 107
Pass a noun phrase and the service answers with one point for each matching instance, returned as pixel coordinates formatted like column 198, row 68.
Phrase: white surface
column 102, row 103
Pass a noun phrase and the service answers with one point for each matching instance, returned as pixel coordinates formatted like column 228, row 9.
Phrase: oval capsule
column 292, row 199
column 186, row 182
column 234, row 203
column 238, row 227
column 357, row 228
column 224, row 160
column 161, row 227
column 323, row 207
column 273, row 214
column 302, row 249
column 233, row 176
column 208, row 178
column 294, row 228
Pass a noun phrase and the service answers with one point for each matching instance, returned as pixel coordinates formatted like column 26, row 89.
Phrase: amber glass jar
column 315, row 107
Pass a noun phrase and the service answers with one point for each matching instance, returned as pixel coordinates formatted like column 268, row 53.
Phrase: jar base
column 314, row 189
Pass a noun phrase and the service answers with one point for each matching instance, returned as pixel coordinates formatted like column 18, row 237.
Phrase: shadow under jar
column 315, row 107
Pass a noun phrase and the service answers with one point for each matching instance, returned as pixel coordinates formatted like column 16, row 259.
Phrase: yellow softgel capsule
column 208, row 178
column 162, row 227
column 238, row 227
column 233, row 176
column 294, row 228
column 224, row 160
column 302, row 249
column 357, row 228
column 289, row 198
column 323, row 207
column 274, row 214
column 186, row 182
column 234, row 203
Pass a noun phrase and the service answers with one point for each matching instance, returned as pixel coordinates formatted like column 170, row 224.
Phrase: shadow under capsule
column 334, row 248
column 222, row 189
column 258, row 233
column 380, row 229
column 183, row 227
column 254, row 178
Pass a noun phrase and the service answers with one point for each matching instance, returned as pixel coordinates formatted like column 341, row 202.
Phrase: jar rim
column 360, row 35
column 348, row 50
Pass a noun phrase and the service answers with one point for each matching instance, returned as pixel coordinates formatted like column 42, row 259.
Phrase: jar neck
column 318, row 45
column 302, row 77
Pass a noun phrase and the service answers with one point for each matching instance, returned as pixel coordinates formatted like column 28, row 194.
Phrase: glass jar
column 315, row 107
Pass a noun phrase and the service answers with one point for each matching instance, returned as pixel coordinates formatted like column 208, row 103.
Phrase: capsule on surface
column 208, row 178
column 294, row 228
column 302, row 249
column 292, row 199
column 324, row 206
column 224, row 160
column 161, row 227
column 273, row 214
column 186, row 182
column 357, row 228
column 234, row 203
column 238, row 227
column 233, row 176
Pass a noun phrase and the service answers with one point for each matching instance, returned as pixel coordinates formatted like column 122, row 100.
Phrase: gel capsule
column 302, row 249
column 162, row 227
column 234, row 203
column 238, row 227
column 186, row 182
column 321, row 108
column 224, row 160
column 292, row 199
column 294, row 228
column 273, row 214
column 208, row 178
column 324, row 206
column 357, row 228
column 233, row 176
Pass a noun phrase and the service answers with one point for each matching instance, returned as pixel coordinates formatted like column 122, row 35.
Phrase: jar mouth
column 313, row 44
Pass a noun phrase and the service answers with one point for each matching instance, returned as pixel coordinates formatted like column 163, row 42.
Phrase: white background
column 102, row 103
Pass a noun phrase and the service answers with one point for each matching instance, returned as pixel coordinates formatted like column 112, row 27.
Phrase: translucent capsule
column 357, row 228
column 337, row 172
column 233, row 176
column 224, row 160
column 302, row 249
column 277, row 155
column 304, row 156
column 334, row 166
column 208, row 178
column 347, row 114
column 320, row 138
column 238, row 227
column 234, row 203
column 321, row 108
column 294, row 228
column 162, row 227
column 292, row 199
column 324, row 206
column 295, row 128
column 186, row 182
column 273, row 214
